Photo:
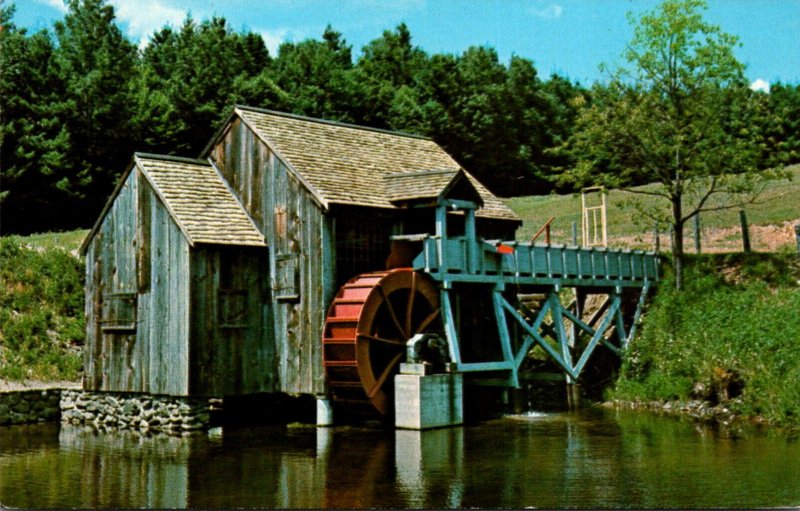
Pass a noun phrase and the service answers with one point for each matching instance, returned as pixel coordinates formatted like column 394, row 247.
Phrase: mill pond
column 592, row 458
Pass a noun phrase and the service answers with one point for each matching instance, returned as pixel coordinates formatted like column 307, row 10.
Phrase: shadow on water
column 588, row 458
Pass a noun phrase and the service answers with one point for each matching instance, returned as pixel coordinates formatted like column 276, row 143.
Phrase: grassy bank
column 41, row 307
column 730, row 338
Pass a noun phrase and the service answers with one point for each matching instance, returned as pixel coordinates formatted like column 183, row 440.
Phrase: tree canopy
column 77, row 101
column 680, row 114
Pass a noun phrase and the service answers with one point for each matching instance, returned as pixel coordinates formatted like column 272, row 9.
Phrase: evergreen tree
column 35, row 177
column 190, row 78
column 96, row 64
column 389, row 72
column 317, row 78
column 784, row 131
column 492, row 118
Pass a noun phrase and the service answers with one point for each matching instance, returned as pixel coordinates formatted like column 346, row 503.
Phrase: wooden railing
column 546, row 229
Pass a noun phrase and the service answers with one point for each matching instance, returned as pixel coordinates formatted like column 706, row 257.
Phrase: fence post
column 797, row 237
column 745, row 230
column 697, row 232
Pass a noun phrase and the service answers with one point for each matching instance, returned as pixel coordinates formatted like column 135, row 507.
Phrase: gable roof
column 200, row 201
column 346, row 164
column 403, row 187
column 197, row 198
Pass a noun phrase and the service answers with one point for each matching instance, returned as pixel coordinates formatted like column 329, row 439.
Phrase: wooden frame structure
column 594, row 221
column 466, row 266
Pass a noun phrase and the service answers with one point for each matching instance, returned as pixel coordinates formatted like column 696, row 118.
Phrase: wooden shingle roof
column 411, row 186
column 345, row 164
column 199, row 201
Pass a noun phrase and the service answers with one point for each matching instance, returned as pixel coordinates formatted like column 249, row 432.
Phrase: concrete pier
column 425, row 401
column 324, row 412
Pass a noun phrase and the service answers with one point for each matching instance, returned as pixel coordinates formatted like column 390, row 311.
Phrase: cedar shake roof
column 200, row 201
column 346, row 164
column 435, row 184
column 197, row 198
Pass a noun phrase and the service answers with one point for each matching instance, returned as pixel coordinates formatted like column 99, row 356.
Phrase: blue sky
column 569, row 37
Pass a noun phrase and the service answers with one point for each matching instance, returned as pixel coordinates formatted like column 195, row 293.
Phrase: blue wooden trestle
column 468, row 265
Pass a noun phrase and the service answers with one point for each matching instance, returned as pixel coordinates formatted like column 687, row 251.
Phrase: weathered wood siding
column 301, row 258
column 231, row 319
column 139, row 254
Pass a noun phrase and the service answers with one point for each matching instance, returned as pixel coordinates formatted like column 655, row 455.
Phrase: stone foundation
column 135, row 411
column 21, row 407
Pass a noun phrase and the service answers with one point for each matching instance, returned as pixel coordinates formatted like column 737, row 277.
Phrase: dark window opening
column 362, row 245
column 232, row 308
column 118, row 312
column 287, row 277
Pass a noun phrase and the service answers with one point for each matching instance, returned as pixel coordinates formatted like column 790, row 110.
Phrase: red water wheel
column 365, row 335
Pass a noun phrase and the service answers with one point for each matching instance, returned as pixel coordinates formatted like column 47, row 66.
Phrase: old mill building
column 212, row 276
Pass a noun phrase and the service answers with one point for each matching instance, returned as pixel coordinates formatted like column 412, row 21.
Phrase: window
column 118, row 312
column 232, row 308
column 287, row 277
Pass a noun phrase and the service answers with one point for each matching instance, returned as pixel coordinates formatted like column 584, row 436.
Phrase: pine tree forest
column 77, row 100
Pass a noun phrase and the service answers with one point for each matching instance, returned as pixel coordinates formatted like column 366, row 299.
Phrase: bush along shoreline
column 725, row 348
column 42, row 324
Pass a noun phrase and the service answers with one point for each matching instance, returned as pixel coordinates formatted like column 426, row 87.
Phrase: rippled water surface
column 580, row 459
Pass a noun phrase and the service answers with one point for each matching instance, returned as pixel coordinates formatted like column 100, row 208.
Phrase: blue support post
column 472, row 241
column 450, row 327
column 505, row 338
column 637, row 314
column 441, row 236
column 561, row 333
column 598, row 335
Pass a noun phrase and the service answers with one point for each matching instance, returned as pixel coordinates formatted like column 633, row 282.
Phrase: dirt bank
column 8, row 386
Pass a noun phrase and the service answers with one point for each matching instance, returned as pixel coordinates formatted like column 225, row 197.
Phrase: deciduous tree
column 667, row 118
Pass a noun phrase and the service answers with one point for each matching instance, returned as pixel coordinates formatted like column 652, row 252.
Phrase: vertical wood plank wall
column 230, row 359
column 153, row 357
column 301, row 258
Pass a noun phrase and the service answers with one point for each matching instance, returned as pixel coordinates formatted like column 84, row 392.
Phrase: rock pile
column 29, row 406
column 135, row 411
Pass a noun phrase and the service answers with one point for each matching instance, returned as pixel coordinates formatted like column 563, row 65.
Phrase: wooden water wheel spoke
column 410, row 305
column 381, row 339
column 427, row 321
column 364, row 339
column 385, row 374
column 392, row 313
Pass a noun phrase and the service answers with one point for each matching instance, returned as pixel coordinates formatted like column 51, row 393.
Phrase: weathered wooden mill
column 305, row 257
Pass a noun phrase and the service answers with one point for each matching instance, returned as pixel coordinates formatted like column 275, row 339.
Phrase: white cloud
column 548, row 12
column 55, row 4
column 143, row 17
column 760, row 84
column 273, row 39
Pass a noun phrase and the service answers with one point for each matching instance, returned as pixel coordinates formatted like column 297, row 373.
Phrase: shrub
column 731, row 336
column 41, row 312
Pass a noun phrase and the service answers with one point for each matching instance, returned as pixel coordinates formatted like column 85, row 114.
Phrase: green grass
column 776, row 204
column 730, row 337
column 41, row 307
column 69, row 241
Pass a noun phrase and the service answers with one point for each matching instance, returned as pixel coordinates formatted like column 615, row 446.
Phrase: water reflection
column 558, row 460
column 430, row 466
